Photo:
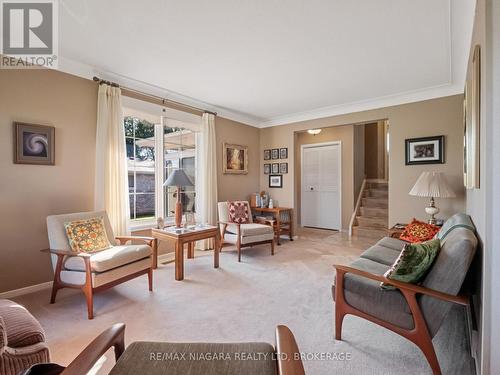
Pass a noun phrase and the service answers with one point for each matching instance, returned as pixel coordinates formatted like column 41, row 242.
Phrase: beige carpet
column 244, row 302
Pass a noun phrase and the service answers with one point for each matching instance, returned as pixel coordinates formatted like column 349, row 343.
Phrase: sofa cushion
column 413, row 263
column 111, row 258
column 382, row 254
column 419, row 231
column 392, row 243
column 238, row 212
column 87, row 235
column 366, row 295
column 251, row 229
column 158, row 358
column 21, row 327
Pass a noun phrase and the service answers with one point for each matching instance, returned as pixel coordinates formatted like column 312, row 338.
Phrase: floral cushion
column 413, row 262
column 238, row 212
column 87, row 235
column 418, row 231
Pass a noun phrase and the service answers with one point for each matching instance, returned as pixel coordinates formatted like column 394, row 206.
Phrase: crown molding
column 365, row 105
column 86, row 71
column 73, row 67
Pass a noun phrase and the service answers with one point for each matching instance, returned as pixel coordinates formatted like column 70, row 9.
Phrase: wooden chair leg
column 425, row 345
column 55, row 289
column 150, row 279
column 272, row 247
column 238, row 245
column 339, row 319
column 89, row 295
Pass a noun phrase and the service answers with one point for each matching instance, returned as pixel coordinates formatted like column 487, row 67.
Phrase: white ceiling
column 269, row 62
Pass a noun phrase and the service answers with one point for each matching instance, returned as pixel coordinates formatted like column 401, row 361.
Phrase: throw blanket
column 456, row 221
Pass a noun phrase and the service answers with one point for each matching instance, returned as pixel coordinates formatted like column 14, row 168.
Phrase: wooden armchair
column 100, row 270
column 244, row 235
column 415, row 312
column 139, row 357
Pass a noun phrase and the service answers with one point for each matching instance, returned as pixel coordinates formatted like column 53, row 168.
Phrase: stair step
column 375, row 202
column 377, row 185
column 382, row 193
column 372, row 233
column 374, row 211
column 372, row 222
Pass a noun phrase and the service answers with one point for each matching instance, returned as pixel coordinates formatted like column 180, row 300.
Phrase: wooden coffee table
column 182, row 236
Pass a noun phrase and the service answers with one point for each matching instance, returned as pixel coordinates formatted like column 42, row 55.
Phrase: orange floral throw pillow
column 418, row 231
column 87, row 235
column 238, row 212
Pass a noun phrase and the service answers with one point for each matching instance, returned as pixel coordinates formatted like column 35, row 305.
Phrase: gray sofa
column 414, row 311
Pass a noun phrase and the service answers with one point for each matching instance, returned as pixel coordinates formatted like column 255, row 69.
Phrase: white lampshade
column 432, row 184
column 178, row 178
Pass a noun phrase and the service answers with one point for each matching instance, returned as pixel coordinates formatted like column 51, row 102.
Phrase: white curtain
column 206, row 176
column 111, row 180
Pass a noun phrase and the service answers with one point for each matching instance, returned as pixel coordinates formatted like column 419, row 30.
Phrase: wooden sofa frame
column 419, row 335
column 88, row 289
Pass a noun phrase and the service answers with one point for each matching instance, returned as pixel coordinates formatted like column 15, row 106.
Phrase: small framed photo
column 275, row 169
column 267, row 168
column 283, row 168
column 34, row 144
column 267, row 154
column 426, row 150
column 275, row 181
column 275, row 153
column 284, row 153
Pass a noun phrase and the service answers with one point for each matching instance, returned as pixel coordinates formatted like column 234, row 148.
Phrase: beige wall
column 375, row 150
column 338, row 133
column 29, row 192
column 441, row 116
column 233, row 186
column 358, row 150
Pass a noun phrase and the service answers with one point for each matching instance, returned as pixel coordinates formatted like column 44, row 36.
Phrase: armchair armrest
column 415, row 289
column 124, row 239
column 288, row 354
column 112, row 337
column 66, row 252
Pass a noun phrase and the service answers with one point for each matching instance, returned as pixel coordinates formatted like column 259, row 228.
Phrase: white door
column 321, row 186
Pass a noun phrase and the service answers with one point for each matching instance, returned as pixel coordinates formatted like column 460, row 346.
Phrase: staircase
column 372, row 217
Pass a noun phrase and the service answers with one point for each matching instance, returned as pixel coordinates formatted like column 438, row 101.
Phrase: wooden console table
column 280, row 227
column 182, row 236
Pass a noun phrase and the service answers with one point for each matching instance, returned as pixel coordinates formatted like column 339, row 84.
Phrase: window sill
column 134, row 227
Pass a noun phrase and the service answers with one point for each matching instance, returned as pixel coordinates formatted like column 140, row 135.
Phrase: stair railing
column 356, row 208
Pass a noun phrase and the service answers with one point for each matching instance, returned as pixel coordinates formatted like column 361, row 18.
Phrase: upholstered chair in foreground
column 94, row 271
column 243, row 234
column 22, row 339
column 158, row 358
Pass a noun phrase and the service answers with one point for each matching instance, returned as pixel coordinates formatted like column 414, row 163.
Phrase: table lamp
column 433, row 185
column 178, row 178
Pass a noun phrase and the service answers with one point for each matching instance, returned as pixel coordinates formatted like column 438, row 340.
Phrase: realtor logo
column 29, row 34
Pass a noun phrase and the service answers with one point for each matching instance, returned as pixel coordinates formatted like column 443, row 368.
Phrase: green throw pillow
column 413, row 262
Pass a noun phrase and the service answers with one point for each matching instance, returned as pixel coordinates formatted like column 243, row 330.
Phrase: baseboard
column 26, row 290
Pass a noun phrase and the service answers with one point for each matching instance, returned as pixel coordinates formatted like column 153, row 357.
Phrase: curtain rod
column 163, row 100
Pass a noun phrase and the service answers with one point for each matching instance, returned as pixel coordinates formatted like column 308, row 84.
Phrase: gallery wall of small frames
column 273, row 162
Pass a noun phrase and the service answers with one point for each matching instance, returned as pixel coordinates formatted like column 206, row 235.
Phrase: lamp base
column 432, row 210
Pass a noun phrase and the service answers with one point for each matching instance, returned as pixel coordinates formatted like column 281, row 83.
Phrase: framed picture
column 235, row 159
column 275, row 153
column 34, row 144
column 472, row 123
column 275, row 169
column 267, row 168
column 275, row 181
column 426, row 150
column 283, row 168
column 267, row 154
column 284, row 153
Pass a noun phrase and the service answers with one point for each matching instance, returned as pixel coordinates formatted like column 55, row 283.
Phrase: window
column 141, row 167
column 146, row 148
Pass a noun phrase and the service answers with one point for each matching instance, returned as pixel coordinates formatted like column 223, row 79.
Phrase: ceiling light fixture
column 314, row 131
